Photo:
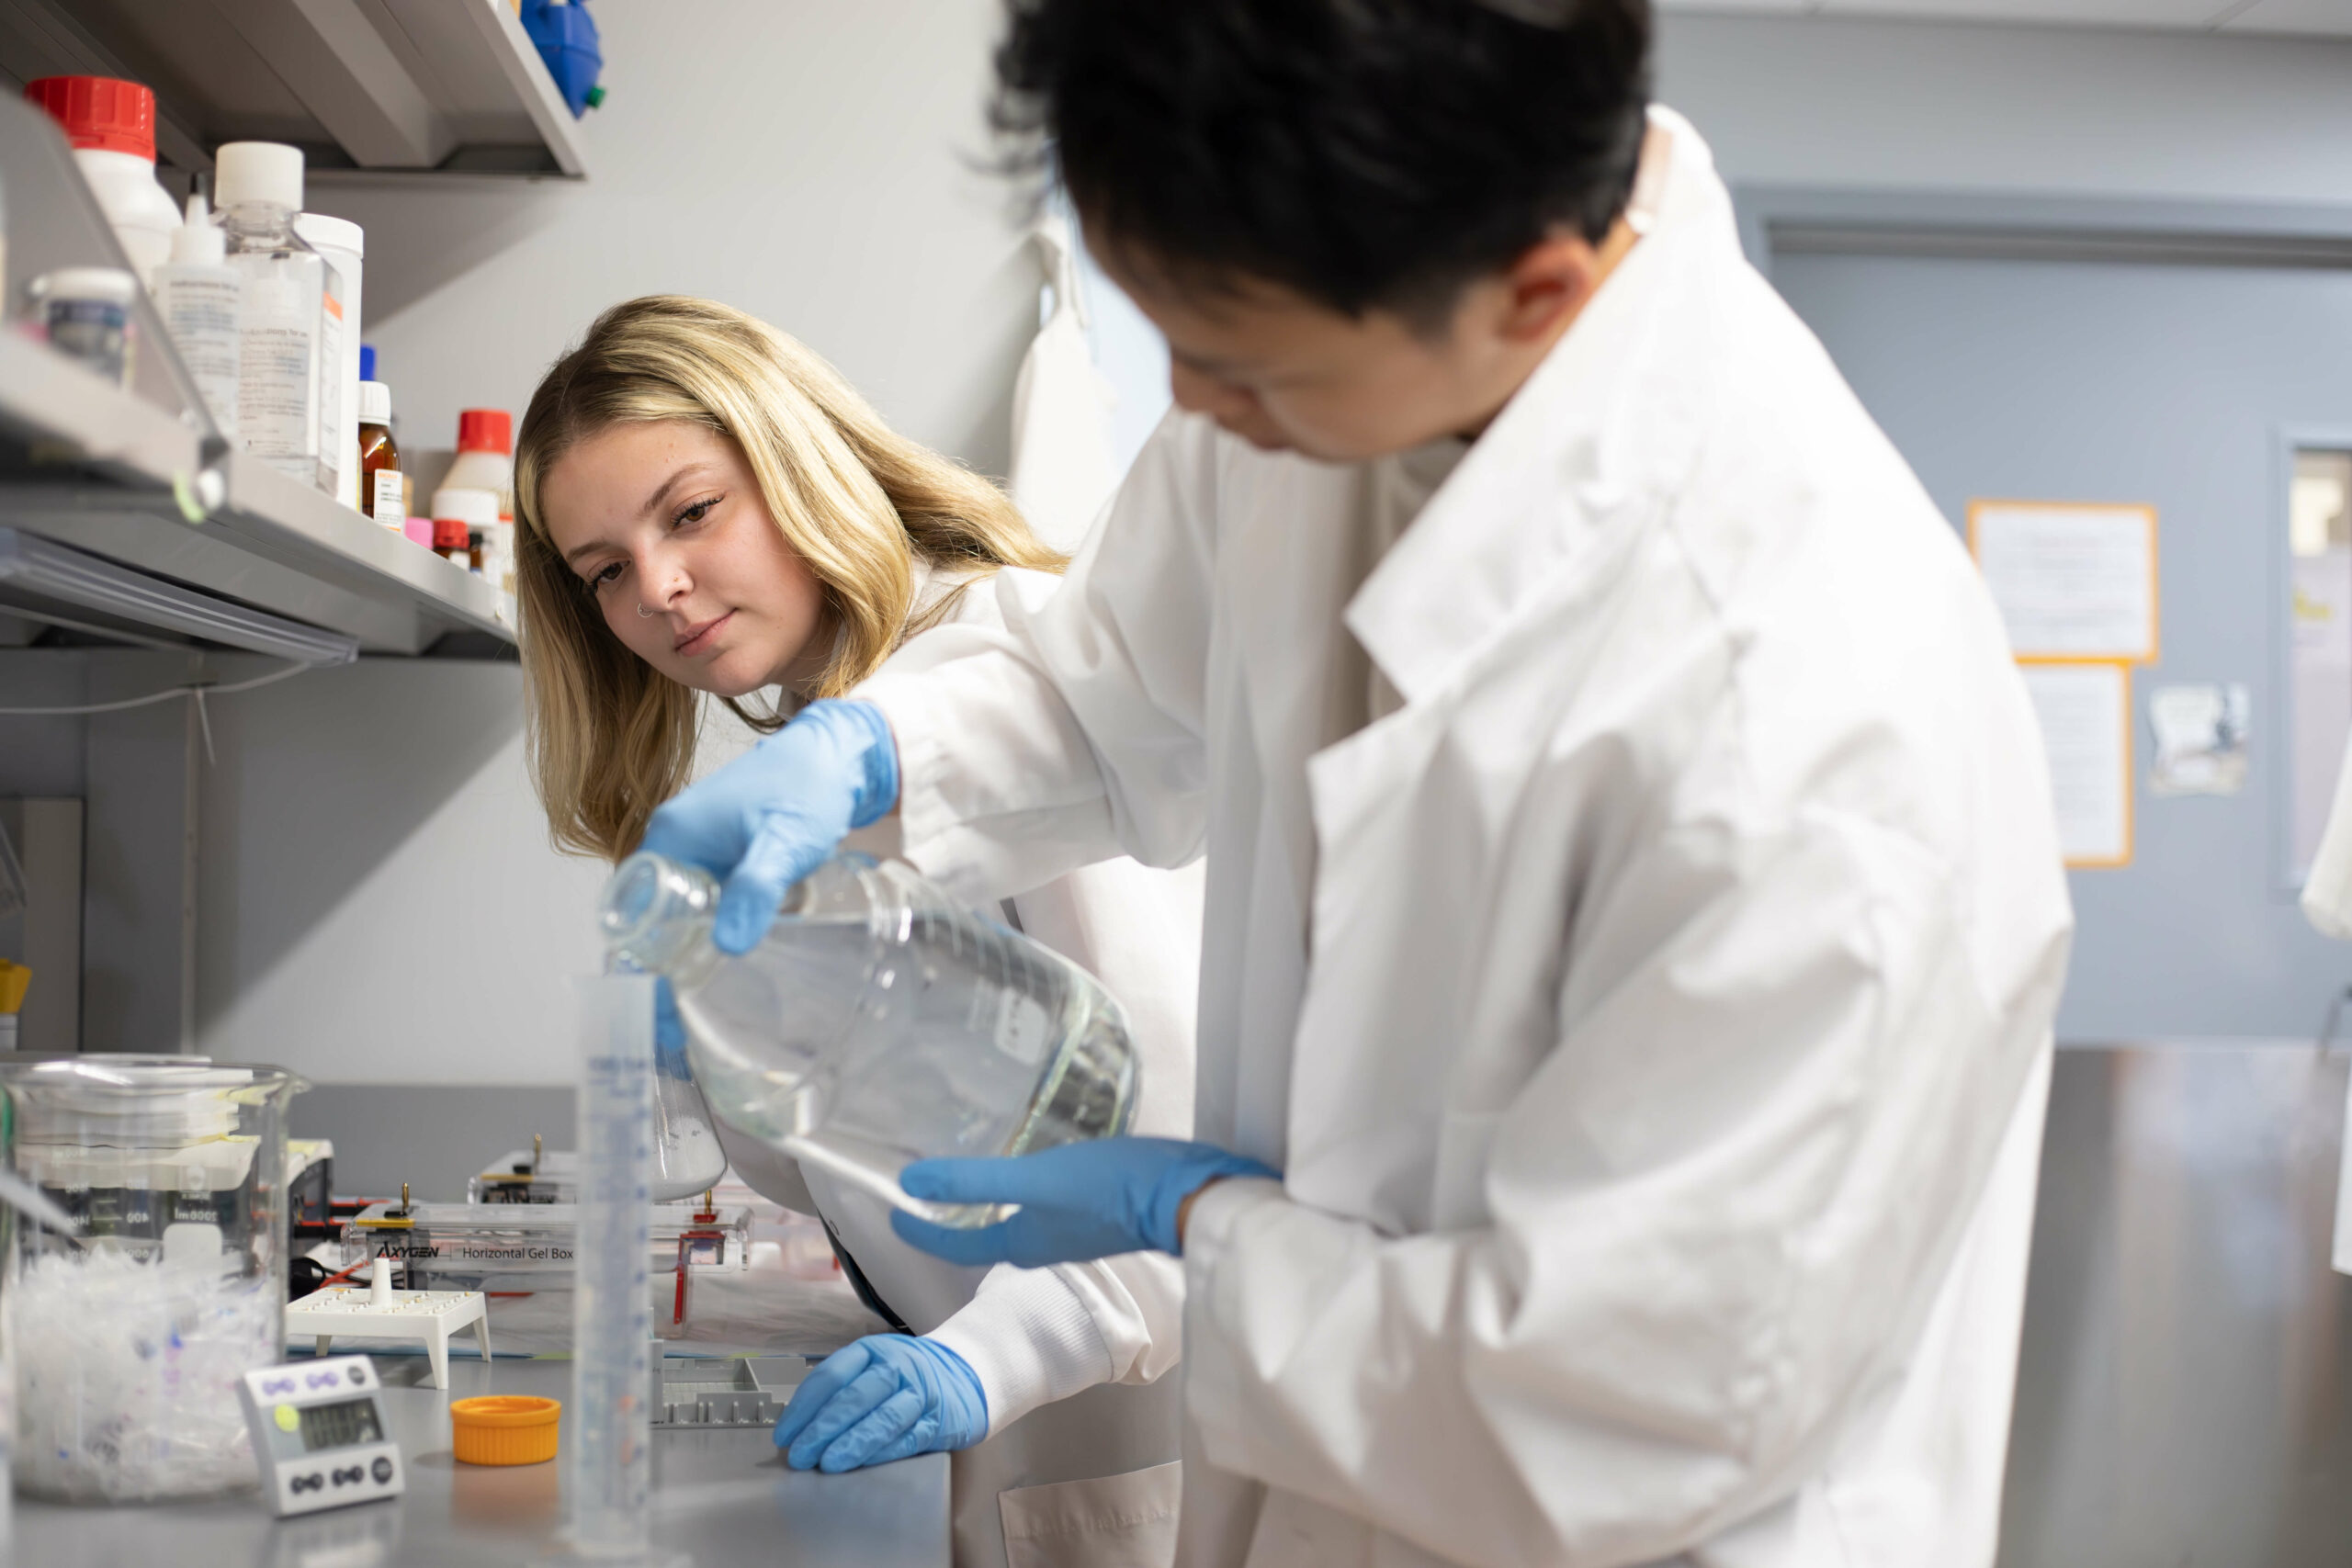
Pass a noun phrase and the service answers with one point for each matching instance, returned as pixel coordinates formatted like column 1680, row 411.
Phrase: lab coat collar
column 1600, row 429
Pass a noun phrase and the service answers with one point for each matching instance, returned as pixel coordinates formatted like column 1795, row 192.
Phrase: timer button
column 382, row 1470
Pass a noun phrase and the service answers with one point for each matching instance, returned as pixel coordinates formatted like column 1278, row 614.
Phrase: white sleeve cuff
column 1212, row 1366
column 1029, row 1338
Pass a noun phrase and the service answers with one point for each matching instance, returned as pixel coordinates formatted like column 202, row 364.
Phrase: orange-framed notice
column 2073, row 580
column 2084, row 706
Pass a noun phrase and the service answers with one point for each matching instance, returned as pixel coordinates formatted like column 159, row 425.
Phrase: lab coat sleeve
column 1719, row 1206
column 1074, row 732
column 1033, row 1335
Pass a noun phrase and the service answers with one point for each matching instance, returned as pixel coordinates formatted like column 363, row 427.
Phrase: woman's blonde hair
column 610, row 737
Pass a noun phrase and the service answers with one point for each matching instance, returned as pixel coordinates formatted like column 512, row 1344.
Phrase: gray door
column 2178, row 386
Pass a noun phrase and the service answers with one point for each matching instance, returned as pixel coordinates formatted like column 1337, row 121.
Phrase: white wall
column 808, row 161
column 379, row 902
column 2105, row 112
column 376, row 899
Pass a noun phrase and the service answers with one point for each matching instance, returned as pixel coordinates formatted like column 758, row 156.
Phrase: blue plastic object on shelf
column 565, row 38
column 367, row 361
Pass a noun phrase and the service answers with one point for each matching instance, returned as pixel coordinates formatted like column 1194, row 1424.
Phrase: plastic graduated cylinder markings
column 320, row 1435
column 378, row 1311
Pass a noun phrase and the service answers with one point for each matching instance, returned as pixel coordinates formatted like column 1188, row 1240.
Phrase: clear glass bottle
column 129, row 1339
column 879, row 1023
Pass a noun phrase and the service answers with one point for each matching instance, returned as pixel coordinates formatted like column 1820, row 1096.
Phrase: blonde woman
column 715, row 535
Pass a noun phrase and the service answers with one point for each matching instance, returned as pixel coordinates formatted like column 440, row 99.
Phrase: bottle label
column 278, row 382
column 95, row 332
column 329, row 375
column 1021, row 1027
column 199, row 310
column 389, row 504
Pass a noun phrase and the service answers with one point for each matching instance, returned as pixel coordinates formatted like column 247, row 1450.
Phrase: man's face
column 1286, row 373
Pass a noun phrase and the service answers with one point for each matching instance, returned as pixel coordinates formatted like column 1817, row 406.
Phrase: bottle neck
column 656, row 916
column 259, row 221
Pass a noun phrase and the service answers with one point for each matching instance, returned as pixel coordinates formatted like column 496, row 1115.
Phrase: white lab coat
column 1063, row 466
column 2327, row 886
column 1072, row 1473
column 1651, row 1016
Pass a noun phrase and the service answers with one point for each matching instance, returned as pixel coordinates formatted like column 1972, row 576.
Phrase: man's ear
column 1550, row 278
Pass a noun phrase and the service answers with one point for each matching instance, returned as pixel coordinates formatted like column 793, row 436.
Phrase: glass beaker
column 879, row 1023
column 130, row 1338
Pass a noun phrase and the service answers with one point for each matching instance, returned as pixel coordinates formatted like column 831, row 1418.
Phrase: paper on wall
column 2071, row 581
column 2084, row 710
column 2202, row 734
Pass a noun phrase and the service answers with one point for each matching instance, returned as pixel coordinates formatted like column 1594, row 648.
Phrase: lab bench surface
column 723, row 1498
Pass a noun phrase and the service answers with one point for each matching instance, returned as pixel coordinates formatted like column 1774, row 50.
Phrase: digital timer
column 320, row 1436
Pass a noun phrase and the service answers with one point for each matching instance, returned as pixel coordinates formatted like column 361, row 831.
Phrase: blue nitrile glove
column 1078, row 1201
column 887, row 1397
column 771, row 816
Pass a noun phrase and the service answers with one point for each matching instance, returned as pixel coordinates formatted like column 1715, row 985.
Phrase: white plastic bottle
column 112, row 126
column 486, row 462
column 291, row 353
column 345, row 245
column 199, row 295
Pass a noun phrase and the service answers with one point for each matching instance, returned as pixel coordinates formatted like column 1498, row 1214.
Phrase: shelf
column 47, row 582
column 446, row 85
column 95, row 467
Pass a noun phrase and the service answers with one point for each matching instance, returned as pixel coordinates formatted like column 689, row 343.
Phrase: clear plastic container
column 290, row 358
column 879, row 1023
column 128, row 1340
column 531, row 1247
column 201, row 299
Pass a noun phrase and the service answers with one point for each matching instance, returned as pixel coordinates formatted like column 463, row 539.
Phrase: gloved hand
column 1078, row 1201
column 771, row 816
column 887, row 1396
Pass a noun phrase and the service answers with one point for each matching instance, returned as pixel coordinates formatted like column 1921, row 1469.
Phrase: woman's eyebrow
column 653, row 502
column 677, row 476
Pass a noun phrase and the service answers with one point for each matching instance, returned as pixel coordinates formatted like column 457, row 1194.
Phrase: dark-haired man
column 1635, row 913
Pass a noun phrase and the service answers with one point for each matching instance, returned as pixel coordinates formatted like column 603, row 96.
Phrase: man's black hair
column 1364, row 153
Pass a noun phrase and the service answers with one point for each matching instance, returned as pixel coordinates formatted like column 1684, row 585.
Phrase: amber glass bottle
column 382, row 495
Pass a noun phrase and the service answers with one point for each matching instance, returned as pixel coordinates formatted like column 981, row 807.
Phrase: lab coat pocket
column 1119, row 1521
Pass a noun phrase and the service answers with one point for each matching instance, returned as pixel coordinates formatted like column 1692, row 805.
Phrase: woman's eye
column 695, row 512
column 607, row 573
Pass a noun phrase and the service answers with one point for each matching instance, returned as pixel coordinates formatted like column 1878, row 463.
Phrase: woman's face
column 665, row 525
